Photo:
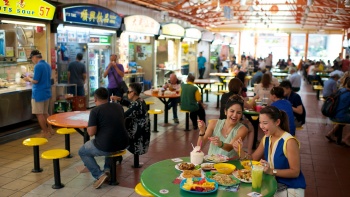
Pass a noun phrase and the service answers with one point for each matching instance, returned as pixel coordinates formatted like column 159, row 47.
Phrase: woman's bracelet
column 201, row 134
column 222, row 144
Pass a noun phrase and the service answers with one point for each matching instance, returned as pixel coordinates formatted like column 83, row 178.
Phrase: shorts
column 40, row 107
column 290, row 192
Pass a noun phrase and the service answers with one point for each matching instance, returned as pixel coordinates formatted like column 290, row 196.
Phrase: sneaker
column 100, row 181
column 108, row 176
column 176, row 120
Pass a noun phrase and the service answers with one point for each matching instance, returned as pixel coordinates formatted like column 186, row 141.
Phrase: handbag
column 123, row 88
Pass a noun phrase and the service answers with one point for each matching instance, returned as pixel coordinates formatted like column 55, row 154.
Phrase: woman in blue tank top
column 279, row 152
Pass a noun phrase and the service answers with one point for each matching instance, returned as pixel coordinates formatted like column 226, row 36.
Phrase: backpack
column 329, row 106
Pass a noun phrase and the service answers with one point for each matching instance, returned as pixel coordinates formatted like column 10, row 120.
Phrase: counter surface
column 15, row 88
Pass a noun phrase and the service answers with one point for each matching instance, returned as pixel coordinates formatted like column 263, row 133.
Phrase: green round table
column 161, row 175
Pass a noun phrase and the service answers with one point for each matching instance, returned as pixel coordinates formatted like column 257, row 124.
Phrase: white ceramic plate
column 216, row 158
column 177, row 165
column 203, row 165
column 235, row 173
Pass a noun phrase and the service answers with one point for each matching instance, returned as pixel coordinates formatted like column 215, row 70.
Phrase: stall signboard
column 141, row 24
column 173, row 29
column 25, row 8
column 91, row 15
column 193, row 33
column 207, row 36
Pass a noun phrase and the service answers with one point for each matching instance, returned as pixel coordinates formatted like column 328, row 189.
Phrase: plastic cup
column 257, row 174
column 258, row 108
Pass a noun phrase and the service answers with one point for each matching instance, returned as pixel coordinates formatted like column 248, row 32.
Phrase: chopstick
column 239, row 151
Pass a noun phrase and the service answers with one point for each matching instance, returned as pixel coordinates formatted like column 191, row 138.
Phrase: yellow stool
column 66, row 132
column 35, row 142
column 223, row 91
column 219, row 84
column 155, row 112
column 314, row 82
column 113, row 166
column 318, row 88
column 218, row 94
column 207, row 93
column 299, row 128
column 187, row 128
column 148, row 103
column 56, row 155
column 140, row 190
column 255, row 117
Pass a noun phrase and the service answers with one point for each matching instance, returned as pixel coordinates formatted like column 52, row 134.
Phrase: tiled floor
column 325, row 165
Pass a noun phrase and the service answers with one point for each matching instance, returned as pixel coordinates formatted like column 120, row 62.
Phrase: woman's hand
column 266, row 166
column 201, row 126
column 238, row 146
column 115, row 98
column 215, row 140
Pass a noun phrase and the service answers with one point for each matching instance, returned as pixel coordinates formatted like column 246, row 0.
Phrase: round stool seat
column 248, row 77
column 35, row 141
column 207, row 88
column 218, row 93
column 55, row 154
column 149, row 102
column 65, row 131
column 223, row 91
column 255, row 117
column 219, row 83
column 140, row 190
column 155, row 111
column 185, row 111
column 299, row 128
column 118, row 154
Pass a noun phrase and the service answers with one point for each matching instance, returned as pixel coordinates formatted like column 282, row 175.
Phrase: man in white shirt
column 311, row 72
column 295, row 80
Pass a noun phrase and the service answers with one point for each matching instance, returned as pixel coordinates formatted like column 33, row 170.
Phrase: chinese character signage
column 100, row 39
column 173, row 29
column 193, row 33
column 91, row 15
column 141, row 24
column 27, row 8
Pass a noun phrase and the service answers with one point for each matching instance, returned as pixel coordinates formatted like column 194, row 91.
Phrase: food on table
column 247, row 164
column 191, row 173
column 244, row 175
column 207, row 166
column 225, row 168
column 186, row 166
column 216, row 158
column 200, row 186
column 224, row 179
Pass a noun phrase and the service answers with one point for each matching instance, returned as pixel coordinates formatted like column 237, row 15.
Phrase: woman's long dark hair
column 274, row 113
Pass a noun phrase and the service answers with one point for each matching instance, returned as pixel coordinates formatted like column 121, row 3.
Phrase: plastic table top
column 75, row 119
column 161, row 175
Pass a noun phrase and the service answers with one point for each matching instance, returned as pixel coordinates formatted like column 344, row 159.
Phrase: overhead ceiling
column 263, row 14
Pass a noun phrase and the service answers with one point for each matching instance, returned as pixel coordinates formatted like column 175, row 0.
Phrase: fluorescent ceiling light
column 23, row 23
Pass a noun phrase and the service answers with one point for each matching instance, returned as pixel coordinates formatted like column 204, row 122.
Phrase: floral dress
column 137, row 125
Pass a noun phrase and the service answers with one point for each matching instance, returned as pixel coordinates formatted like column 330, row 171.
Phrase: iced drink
column 197, row 156
column 257, row 174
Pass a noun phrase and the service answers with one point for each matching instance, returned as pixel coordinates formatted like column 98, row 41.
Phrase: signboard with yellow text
column 28, row 8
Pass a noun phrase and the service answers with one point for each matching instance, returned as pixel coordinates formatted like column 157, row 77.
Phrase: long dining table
column 159, row 180
column 165, row 99
column 202, row 83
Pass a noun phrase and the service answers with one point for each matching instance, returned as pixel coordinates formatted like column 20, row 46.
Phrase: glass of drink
column 257, row 174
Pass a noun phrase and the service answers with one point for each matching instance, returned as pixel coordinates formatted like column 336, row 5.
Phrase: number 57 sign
column 28, row 8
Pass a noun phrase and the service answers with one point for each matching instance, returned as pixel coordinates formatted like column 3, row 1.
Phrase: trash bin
column 185, row 69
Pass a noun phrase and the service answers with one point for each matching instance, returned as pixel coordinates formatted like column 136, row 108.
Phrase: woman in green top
column 222, row 133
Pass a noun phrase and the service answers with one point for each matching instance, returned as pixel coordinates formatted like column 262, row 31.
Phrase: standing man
column 41, row 91
column 115, row 73
column 77, row 75
column 191, row 100
column 268, row 61
column 173, row 85
column 106, row 123
column 297, row 105
column 201, row 65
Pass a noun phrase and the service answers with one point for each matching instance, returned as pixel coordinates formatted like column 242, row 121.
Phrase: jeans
column 87, row 153
column 173, row 103
column 80, row 91
column 200, row 113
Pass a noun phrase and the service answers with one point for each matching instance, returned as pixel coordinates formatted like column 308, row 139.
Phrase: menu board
column 62, row 36
column 72, row 36
column 82, row 37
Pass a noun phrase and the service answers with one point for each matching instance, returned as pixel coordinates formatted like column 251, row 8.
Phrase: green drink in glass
column 257, row 174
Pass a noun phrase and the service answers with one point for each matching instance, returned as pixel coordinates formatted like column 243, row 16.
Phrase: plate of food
column 207, row 166
column 185, row 166
column 224, row 179
column 192, row 174
column 216, row 158
column 247, row 164
column 243, row 175
column 199, row 185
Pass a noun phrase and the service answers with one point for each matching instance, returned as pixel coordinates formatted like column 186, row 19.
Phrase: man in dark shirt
column 297, row 105
column 106, row 123
column 76, row 75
